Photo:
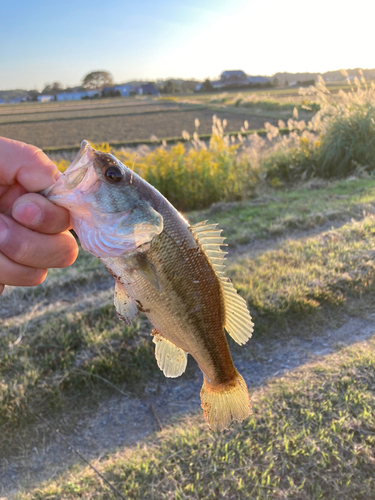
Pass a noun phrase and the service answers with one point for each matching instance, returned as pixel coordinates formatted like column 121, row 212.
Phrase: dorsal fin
column 171, row 359
column 237, row 317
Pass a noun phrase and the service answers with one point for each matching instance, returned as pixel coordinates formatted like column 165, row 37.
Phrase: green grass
column 299, row 277
column 311, row 435
column 277, row 212
column 196, row 178
column 64, row 355
column 63, row 351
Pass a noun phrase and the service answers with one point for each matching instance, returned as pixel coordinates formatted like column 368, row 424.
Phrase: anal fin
column 171, row 359
column 126, row 307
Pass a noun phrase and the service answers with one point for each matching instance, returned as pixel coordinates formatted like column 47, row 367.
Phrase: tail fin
column 226, row 402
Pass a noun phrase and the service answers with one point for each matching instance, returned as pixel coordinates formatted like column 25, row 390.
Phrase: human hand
column 34, row 232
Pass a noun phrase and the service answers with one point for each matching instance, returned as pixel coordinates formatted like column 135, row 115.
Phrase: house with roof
column 239, row 78
column 76, row 95
column 254, row 80
column 45, row 98
column 124, row 89
column 148, row 89
column 235, row 79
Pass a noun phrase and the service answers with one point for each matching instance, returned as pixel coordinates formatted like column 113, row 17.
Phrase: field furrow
column 123, row 128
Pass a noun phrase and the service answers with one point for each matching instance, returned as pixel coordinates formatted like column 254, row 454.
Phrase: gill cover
column 110, row 218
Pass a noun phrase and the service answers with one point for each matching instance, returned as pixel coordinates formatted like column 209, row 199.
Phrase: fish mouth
column 73, row 177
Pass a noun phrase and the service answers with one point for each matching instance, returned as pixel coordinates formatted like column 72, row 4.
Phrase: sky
column 42, row 41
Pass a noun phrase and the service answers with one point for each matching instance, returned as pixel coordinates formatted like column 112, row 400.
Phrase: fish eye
column 114, row 174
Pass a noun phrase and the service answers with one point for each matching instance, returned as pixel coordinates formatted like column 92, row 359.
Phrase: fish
column 171, row 271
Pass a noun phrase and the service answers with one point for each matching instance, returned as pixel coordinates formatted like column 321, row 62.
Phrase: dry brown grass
column 68, row 127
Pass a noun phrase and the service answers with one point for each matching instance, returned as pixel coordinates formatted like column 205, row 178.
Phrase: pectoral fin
column 126, row 307
column 171, row 359
column 147, row 271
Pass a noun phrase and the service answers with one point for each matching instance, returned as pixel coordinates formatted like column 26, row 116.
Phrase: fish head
column 108, row 212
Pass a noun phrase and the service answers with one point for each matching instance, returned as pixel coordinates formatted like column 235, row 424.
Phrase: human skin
column 34, row 233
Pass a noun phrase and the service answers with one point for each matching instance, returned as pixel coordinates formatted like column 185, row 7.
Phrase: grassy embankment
column 311, row 435
column 65, row 348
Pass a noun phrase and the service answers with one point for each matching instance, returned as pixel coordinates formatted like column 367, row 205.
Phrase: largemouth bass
column 171, row 271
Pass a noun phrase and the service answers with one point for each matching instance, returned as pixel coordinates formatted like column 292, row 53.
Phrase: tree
column 97, row 80
column 32, row 95
column 207, row 86
column 53, row 89
column 168, row 87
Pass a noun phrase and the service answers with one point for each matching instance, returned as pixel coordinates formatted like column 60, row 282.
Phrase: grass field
column 311, row 436
column 62, row 346
column 53, row 125
column 168, row 123
column 301, row 253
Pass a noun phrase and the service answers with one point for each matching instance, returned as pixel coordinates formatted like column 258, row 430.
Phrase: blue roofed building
column 148, row 89
column 235, row 76
column 76, row 95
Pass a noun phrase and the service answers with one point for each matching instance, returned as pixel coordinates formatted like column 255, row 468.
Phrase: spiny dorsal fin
column 237, row 317
column 126, row 307
column 171, row 359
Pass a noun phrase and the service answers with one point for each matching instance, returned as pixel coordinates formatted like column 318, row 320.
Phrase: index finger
column 25, row 164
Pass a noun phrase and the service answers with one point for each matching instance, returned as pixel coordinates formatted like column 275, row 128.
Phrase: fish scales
column 189, row 310
column 163, row 268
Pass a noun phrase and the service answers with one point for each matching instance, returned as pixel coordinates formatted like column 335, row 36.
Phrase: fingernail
column 3, row 230
column 27, row 213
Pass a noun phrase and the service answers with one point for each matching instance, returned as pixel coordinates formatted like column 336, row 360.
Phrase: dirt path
column 124, row 421
column 13, row 303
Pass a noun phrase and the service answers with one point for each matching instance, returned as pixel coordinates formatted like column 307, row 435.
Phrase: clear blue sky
column 46, row 41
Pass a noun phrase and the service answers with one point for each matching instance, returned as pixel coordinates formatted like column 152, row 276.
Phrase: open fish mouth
column 78, row 180
column 106, row 210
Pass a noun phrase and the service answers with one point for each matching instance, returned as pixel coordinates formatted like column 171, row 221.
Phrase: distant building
column 216, row 84
column 125, row 90
column 239, row 78
column 235, row 76
column 233, row 79
column 45, row 98
column 76, row 96
column 148, row 89
column 257, row 79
